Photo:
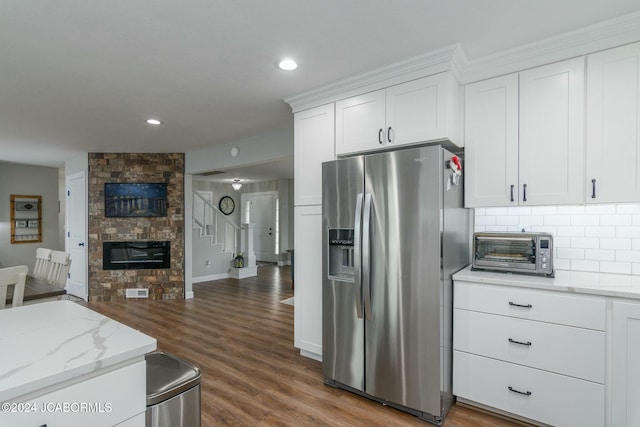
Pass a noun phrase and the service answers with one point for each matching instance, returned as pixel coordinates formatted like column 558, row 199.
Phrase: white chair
column 43, row 263
column 15, row 276
column 60, row 264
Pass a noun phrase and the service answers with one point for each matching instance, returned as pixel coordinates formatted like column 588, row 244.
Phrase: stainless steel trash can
column 173, row 392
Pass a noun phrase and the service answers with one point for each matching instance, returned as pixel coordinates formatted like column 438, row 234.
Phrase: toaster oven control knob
column 544, row 265
column 544, row 259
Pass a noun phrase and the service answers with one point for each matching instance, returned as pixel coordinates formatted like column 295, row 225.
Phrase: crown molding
column 437, row 61
column 604, row 35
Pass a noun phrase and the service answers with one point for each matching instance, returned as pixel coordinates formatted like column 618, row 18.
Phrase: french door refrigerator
column 395, row 230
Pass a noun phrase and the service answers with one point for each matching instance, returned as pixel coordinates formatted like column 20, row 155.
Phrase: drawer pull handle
column 524, row 393
column 513, row 304
column 528, row 343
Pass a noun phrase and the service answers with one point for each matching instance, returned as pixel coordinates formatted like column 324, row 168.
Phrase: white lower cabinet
column 115, row 397
column 625, row 364
column 307, row 330
column 542, row 396
column 540, row 355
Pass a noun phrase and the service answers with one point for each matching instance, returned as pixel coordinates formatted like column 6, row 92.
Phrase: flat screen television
column 146, row 199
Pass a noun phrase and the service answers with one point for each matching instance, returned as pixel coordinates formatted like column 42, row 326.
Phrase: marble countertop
column 45, row 344
column 612, row 285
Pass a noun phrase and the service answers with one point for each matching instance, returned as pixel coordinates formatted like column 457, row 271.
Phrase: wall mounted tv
column 135, row 199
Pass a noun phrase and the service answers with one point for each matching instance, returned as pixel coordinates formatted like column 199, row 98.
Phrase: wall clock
column 226, row 205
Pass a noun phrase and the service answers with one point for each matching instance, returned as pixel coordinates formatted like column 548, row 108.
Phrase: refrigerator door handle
column 357, row 261
column 366, row 257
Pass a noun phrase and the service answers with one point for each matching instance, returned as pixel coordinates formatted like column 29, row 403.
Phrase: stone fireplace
column 162, row 281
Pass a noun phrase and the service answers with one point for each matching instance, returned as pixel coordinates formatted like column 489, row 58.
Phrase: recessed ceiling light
column 287, row 64
column 154, row 122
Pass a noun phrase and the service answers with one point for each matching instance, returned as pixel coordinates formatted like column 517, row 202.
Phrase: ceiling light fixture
column 236, row 184
column 154, row 122
column 287, row 64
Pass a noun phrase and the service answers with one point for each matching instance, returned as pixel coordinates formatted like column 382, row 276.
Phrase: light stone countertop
column 48, row 343
column 611, row 285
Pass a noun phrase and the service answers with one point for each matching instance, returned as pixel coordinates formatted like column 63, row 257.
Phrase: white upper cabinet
column 491, row 142
column 524, row 137
column 613, row 125
column 420, row 110
column 551, row 155
column 313, row 144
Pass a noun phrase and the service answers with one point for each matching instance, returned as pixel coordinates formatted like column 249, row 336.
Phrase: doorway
column 76, row 213
column 261, row 209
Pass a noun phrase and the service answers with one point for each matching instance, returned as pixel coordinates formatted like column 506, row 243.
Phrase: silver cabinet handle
column 380, row 136
column 389, row 134
column 524, row 393
column 513, row 304
column 593, row 188
column 366, row 257
column 524, row 192
column 512, row 199
column 528, row 343
column 357, row 262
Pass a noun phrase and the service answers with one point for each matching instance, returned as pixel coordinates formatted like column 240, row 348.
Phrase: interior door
column 77, row 234
column 262, row 213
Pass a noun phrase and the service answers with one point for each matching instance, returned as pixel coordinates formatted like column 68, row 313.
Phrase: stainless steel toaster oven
column 530, row 253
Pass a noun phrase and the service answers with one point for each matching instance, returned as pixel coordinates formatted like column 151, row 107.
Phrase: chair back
column 43, row 263
column 60, row 264
column 15, row 276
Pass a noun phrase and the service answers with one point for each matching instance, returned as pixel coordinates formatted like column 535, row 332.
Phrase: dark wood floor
column 241, row 337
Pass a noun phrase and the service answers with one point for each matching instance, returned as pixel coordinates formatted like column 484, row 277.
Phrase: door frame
column 84, row 265
column 243, row 201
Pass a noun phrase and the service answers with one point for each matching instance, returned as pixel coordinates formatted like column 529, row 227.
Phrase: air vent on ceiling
column 210, row 173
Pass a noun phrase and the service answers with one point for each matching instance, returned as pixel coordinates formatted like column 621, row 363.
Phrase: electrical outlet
column 524, row 228
column 207, row 263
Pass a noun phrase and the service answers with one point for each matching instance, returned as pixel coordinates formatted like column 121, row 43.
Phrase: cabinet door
column 613, row 120
column 313, row 144
column 360, row 123
column 625, row 378
column 551, row 151
column 308, row 280
column 417, row 111
column 491, row 142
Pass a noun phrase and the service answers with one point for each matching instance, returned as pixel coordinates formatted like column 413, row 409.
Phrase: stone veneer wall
column 110, row 285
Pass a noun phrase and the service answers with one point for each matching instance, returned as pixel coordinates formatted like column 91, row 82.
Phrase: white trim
column 449, row 58
column 189, row 295
column 604, row 35
column 208, row 278
column 241, row 273
column 311, row 355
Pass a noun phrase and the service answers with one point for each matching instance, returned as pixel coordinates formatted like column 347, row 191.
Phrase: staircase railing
column 215, row 224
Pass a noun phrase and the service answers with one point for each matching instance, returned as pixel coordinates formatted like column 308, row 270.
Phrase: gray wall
column 28, row 180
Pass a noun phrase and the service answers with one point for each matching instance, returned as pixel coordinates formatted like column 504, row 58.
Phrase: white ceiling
column 83, row 75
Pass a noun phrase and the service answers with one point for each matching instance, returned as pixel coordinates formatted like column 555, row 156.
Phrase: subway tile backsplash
column 597, row 238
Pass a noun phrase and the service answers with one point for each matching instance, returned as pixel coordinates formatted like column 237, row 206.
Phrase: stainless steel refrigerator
column 395, row 230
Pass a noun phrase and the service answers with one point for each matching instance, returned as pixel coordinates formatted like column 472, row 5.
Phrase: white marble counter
column 42, row 345
column 613, row 285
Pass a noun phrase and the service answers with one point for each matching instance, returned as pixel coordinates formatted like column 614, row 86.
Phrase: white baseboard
column 311, row 355
column 283, row 263
column 241, row 273
column 201, row 279
column 189, row 295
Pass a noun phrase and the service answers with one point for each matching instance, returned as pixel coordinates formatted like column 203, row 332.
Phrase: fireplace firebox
column 136, row 255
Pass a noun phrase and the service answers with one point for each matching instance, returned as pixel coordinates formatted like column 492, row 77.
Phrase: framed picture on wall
column 26, row 215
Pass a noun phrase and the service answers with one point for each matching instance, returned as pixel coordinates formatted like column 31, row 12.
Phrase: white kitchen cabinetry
column 613, row 120
column 107, row 399
column 313, row 144
column 625, row 378
column 531, row 123
column 420, row 110
column 536, row 354
column 308, row 280
column 491, row 142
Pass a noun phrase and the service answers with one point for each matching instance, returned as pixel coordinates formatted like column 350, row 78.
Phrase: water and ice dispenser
column 341, row 254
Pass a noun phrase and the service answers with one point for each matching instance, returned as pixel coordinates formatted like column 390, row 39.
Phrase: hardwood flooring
column 241, row 337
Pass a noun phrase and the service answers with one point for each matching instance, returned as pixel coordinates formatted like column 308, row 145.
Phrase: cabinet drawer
column 554, row 399
column 561, row 349
column 563, row 308
column 104, row 400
